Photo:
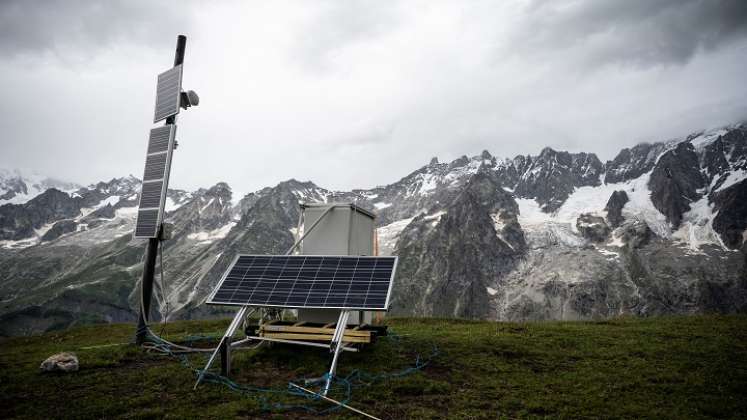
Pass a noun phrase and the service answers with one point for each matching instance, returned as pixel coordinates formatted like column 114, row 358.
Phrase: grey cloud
column 639, row 33
column 366, row 135
column 339, row 24
column 358, row 94
column 33, row 27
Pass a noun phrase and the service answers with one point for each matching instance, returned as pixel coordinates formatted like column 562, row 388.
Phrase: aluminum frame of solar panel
column 237, row 302
column 168, row 93
column 153, row 189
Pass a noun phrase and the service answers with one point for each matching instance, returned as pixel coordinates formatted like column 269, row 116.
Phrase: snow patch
column 27, row 242
column 732, row 178
column 114, row 199
column 35, row 184
column 381, row 206
column 609, row 254
column 530, row 212
column 109, row 201
column 435, row 217
column 171, row 205
column 429, row 183
column 389, row 235
column 498, row 225
column 207, row 205
column 696, row 228
column 126, row 212
column 212, row 235
column 706, row 138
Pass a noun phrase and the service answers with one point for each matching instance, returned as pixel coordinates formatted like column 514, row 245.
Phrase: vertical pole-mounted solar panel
column 168, row 93
column 155, row 181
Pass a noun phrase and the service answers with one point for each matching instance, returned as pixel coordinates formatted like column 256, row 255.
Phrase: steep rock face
column 633, row 162
column 60, row 228
column 12, row 188
column 675, row 182
column 208, row 210
column 670, row 283
column 93, row 204
column 614, row 208
column 18, row 221
column 646, row 276
column 265, row 228
column 634, row 233
column 565, row 283
column 731, row 219
column 449, row 259
column 552, row 176
column 593, row 228
column 426, row 190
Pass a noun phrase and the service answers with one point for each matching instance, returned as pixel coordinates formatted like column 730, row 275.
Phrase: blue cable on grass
column 340, row 385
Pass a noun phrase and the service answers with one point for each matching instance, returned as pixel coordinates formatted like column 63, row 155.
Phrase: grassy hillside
column 681, row 367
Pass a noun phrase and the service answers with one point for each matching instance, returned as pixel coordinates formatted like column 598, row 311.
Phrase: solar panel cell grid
column 155, row 167
column 146, row 223
column 299, row 281
column 159, row 139
column 155, row 179
column 168, row 92
column 150, row 196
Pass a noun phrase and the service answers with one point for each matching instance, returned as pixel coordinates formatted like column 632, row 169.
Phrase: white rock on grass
column 66, row 362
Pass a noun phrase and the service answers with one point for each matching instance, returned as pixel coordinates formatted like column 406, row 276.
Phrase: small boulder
column 593, row 228
column 65, row 362
column 634, row 233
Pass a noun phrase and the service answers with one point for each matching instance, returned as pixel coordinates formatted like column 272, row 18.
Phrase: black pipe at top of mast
column 181, row 44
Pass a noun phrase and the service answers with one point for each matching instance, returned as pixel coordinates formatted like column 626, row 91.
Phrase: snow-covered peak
column 116, row 186
column 19, row 186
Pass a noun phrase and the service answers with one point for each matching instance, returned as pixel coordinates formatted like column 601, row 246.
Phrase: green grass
column 674, row 367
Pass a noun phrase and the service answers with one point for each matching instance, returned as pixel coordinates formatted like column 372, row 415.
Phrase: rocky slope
column 659, row 229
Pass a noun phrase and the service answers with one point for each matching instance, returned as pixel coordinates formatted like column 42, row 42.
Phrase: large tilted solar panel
column 155, row 181
column 305, row 281
column 168, row 93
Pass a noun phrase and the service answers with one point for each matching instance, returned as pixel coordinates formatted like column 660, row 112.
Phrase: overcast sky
column 359, row 93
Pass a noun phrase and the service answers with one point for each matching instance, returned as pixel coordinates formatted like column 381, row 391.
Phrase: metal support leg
column 336, row 346
column 225, row 358
column 224, row 346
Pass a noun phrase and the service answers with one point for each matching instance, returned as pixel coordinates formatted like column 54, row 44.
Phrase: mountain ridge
column 556, row 235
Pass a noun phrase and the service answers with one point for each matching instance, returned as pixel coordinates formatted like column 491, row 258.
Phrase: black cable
column 163, row 289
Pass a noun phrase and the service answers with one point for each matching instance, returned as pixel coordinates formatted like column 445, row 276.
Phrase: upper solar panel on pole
column 168, row 93
column 155, row 181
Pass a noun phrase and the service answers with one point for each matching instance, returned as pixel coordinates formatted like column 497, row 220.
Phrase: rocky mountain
column 659, row 229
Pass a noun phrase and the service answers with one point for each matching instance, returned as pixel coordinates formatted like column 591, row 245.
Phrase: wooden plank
column 298, row 324
column 315, row 337
column 312, row 330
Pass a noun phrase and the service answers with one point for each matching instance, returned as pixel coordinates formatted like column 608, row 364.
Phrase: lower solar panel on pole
column 155, row 181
